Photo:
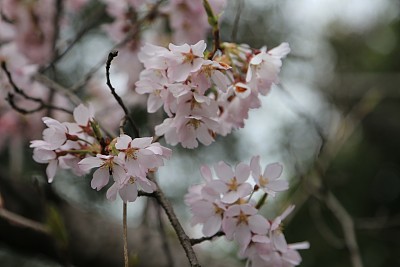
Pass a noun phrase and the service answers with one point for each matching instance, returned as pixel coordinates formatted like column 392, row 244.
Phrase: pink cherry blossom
column 128, row 187
column 268, row 181
column 107, row 166
column 242, row 221
column 140, row 154
column 184, row 60
column 264, row 68
column 53, row 137
column 232, row 184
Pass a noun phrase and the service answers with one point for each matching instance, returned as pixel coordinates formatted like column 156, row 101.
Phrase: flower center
column 131, row 153
column 242, row 218
column 195, row 123
column 233, row 185
column 263, row 181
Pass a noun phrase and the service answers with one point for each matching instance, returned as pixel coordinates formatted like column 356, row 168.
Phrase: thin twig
column 125, row 234
column 88, row 26
column 213, row 21
column 129, row 36
column 347, row 224
column 195, row 241
column 19, row 91
column 240, row 7
column 182, row 236
column 24, row 222
column 111, row 56
column 52, row 85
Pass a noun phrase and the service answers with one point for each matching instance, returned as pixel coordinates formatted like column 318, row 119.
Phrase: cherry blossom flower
column 268, row 181
column 205, row 204
column 128, row 187
column 107, row 166
column 241, row 221
column 264, row 68
column 140, row 154
column 276, row 235
column 53, row 137
column 184, row 60
column 232, row 184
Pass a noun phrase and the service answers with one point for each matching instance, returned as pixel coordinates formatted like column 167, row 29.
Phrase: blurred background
column 333, row 121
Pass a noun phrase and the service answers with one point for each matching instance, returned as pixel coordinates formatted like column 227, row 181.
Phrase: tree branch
column 183, row 238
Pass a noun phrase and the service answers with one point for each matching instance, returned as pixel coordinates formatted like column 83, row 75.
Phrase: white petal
column 212, row 225
column 142, row 142
column 88, row 163
column 112, row 192
column 273, row 171
column 258, row 224
column 128, row 193
column 242, row 172
column 206, row 173
column 230, row 197
column 123, row 141
column 82, row 115
column 224, row 171
column 100, row 178
column 51, row 170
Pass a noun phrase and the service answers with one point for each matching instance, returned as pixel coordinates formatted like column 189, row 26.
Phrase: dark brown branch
column 182, row 236
column 19, row 91
column 195, row 241
column 110, row 58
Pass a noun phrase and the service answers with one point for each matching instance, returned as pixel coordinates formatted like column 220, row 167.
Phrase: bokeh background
column 333, row 121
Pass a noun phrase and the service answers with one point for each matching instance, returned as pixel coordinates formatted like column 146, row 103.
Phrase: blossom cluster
column 78, row 146
column 225, row 204
column 206, row 97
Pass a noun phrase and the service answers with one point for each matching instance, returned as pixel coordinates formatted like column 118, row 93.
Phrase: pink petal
column 206, row 173
column 278, row 185
column 279, row 241
column 242, row 172
column 273, row 171
column 258, row 224
column 224, row 171
column 100, row 178
column 82, row 115
column 255, row 167
column 233, row 210
column 123, row 141
column 51, row 170
column 230, row 197
column 142, row 142
column 128, row 193
column 212, row 225
column 244, row 190
column 112, row 192
column 248, row 209
column 243, row 235
column 198, row 48
column 88, row 163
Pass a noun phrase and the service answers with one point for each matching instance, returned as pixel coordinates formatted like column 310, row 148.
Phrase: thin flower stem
column 213, row 21
column 111, row 56
column 261, row 201
column 125, row 234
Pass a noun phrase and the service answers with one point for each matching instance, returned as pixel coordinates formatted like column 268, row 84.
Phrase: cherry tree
column 202, row 93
